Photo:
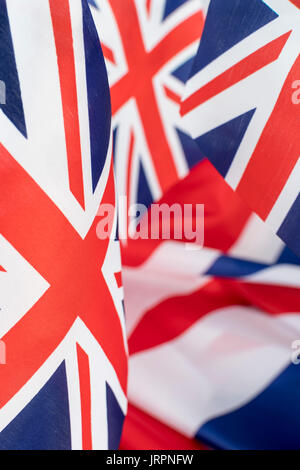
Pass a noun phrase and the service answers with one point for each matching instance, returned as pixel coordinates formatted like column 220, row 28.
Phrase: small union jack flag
column 239, row 105
column 149, row 46
column 64, row 381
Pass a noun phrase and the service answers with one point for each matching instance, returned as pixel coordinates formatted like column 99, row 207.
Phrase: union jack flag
column 239, row 105
column 64, row 381
column 149, row 46
column 211, row 332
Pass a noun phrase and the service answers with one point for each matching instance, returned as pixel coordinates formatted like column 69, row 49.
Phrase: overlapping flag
column 201, row 106
column 211, row 332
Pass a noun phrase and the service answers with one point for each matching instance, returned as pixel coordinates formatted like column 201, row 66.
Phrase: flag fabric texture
column 63, row 382
column 210, row 332
column 186, row 102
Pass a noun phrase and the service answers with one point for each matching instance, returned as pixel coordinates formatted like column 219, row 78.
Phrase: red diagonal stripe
column 62, row 29
column 243, row 69
column 180, row 37
column 148, row 6
column 85, row 397
column 108, row 53
column 129, row 168
column 118, row 277
column 172, row 95
column 296, row 3
column 276, row 153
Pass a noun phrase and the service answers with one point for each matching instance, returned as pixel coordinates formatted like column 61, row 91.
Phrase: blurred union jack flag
column 239, row 108
column 61, row 299
column 210, row 332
